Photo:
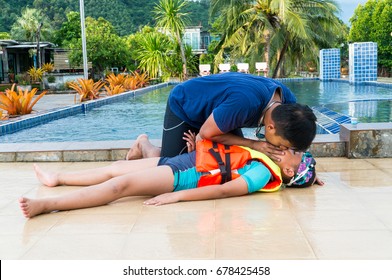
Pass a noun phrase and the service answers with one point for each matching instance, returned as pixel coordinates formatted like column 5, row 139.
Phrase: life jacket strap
column 225, row 169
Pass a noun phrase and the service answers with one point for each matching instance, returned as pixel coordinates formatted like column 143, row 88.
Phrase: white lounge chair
column 243, row 67
column 204, row 69
column 224, row 67
column 261, row 67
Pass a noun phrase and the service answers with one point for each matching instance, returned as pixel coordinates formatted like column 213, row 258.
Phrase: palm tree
column 276, row 25
column 171, row 18
column 152, row 53
column 32, row 26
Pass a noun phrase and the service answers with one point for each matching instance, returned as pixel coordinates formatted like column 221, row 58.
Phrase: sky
column 348, row 7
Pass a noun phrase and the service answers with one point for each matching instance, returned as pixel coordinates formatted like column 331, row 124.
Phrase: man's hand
column 190, row 138
column 270, row 150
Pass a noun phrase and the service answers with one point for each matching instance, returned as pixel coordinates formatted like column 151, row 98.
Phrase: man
column 216, row 107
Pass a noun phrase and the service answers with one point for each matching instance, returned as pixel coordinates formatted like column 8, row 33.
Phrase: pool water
column 144, row 113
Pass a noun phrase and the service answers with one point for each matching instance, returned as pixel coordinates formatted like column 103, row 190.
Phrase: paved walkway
column 348, row 218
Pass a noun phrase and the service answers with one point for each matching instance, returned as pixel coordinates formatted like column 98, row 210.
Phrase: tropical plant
column 153, row 52
column 29, row 23
column 23, row 79
column 170, row 16
column 372, row 22
column 33, row 25
column 115, row 80
column 114, row 89
column 142, row 79
column 36, row 74
column 19, row 103
column 47, row 67
column 86, row 88
column 274, row 30
column 130, row 83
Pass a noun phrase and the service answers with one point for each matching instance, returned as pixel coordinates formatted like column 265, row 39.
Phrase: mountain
column 125, row 15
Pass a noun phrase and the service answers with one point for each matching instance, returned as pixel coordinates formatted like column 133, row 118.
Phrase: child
column 174, row 179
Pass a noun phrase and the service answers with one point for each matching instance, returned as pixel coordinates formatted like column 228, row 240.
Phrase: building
column 18, row 57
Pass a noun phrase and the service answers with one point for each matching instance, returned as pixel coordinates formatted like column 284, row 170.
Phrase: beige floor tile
column 342, row 201
column 382, row 163
column 351, row 245
column 258, row 201
column 373, row 177
column 14, row 246
column 272, row 244
column 384, row 216
column 91, row 224
column 339, row 220
column 250, row 220
column 376, row 200
column 83, row 246
column 162, row 219
column 340, row 164
column 18, row 224
column 156, row 245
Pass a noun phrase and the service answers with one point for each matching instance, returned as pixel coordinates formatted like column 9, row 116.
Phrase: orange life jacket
column 220, row 163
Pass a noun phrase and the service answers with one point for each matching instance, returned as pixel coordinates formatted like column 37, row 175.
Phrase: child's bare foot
column 47, row 178
column 31, row 207
column 135, row 152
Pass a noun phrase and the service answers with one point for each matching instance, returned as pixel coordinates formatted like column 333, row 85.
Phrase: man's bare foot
column 135, row 152
column 31, row 207
column 47, row 178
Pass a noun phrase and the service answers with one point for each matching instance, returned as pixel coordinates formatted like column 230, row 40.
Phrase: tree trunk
column 38, row 47
column 183, row 57
column 280, row 59
column 267, row 38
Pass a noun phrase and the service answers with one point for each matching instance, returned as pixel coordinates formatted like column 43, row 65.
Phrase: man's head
column 292, row 126
column 298, row 169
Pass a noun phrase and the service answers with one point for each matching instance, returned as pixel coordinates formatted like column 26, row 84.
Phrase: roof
column 12, row 44
column 29, row 45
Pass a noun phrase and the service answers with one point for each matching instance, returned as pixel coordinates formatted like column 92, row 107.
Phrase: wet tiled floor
column 348, row 218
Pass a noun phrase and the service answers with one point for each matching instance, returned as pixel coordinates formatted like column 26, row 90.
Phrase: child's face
column 289, row 162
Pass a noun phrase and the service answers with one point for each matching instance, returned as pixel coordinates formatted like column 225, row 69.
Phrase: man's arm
column 237, row 187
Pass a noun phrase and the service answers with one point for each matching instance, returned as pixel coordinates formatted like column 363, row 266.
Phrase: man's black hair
column 295, row 123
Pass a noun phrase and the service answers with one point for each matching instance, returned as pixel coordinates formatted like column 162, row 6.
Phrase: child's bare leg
column 92, row 176
column 137, row 183
column 142, row 148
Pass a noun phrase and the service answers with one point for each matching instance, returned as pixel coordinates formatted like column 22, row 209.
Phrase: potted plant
column 24, row 81
column 11, row 75
column 51, row 81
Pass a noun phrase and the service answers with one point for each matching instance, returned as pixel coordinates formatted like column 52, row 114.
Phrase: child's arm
column 236, row 187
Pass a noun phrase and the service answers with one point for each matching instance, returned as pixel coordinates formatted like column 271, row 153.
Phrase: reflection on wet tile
column 257, row 201
column 81, row 246
column 105, row 223
column 324, row 202
column 159, row 219
column 157, row 245
column 274, row 244
column 352, row 245
column 13, row 246
column 228, row 220
column 339, row 220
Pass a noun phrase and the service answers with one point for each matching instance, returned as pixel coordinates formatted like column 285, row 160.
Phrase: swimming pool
column 144, row 113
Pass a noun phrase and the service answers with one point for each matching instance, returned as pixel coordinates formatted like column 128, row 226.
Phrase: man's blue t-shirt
column 236, row 99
